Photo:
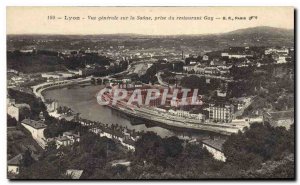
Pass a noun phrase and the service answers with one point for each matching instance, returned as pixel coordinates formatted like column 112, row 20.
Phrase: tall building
column 221, row 112
column 13, row 111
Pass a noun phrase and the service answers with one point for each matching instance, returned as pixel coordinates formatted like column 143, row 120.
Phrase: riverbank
column 183, row 125
column 81, row 99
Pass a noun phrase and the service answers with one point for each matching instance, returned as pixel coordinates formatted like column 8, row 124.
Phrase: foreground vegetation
column 260, row 152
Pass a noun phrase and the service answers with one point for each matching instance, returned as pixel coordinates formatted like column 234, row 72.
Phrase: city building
column 52, row 76
column 18, row 79
column 235, row 55
column 86, row 71
column 224, row 70
column 215, row 147
column 280, row 118
column 221, row 112
column 211, row 71
column 41, row 116
column 199, row 69
column 283, row 51
column 26, row 51
column 188, row 68
column 129, row 143
column 13, row 111
column 187, row 114
column 241, row 103
column 67, row 139
column 205, row 58
column 280, row 59
column 221, row 93
column 36, row 128
column 13, row 165
column 74, row 174
column 52, row 106
column 67, row 74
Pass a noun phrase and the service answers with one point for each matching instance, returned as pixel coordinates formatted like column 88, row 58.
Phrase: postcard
column 150, row 93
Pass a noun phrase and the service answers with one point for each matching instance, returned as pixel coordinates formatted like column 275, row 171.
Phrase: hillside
column 255, row 36
column 263, row 31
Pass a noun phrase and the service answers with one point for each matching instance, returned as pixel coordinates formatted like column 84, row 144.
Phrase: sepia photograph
column 150, row 93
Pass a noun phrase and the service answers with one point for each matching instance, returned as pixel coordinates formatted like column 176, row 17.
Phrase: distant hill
column 255, row 36
column 258, row 36
column 260, row 30
column 263, row 31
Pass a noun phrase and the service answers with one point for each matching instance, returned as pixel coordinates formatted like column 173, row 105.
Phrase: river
column 82, row 99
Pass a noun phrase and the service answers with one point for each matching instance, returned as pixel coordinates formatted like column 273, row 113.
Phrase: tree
column 195, row 82
column 56, row 127
column 51, row 146
column 40, row 170
column 36, row 105
column 150, row 147
column 173, row 146
column 27, row 160
column 259, row 143
column 11, row 122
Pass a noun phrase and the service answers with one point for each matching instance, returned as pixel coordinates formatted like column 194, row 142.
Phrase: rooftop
column 69, row 133
column 75, row 174
column 15, row 160
column 281, row 115
column 62, row 138
column 214, row 143
column 34, row 124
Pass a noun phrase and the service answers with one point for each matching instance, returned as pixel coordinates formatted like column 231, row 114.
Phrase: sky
column 35, row 20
